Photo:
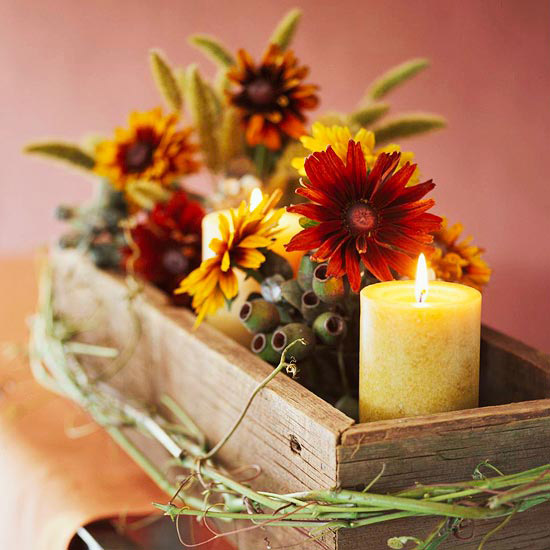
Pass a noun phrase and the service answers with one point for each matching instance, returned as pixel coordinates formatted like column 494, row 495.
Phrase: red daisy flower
column 169, row 243
column 371, row 217
column 271, row 96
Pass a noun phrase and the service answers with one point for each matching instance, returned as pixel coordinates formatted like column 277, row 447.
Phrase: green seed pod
column 70, row 240
column 111, row 218
column 259, row 316
column 105, row 255
column 65, row 212
column 275, row 264
column 312, row 307
column 262, row 347
column 329, row 327
column 292, row 293
column 305, row 272
column 330, row 290
column 284, row 336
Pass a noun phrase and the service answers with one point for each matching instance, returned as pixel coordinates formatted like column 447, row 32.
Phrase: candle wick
column 422, row 296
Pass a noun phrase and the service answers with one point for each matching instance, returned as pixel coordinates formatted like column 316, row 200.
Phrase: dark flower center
column 175, row 262
column 260, row 92
column 139, row 156
column 361, row 218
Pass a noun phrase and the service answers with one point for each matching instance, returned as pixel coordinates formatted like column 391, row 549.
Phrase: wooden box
column 301, row 442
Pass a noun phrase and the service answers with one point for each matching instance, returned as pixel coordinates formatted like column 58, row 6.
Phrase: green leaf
column 213, row 49
column 284, row 32
column 408, row 125
column 204, row 116
column 396, row 76
column 165, row 80
column 306, row 223
column 370, row 114
column 65, row 152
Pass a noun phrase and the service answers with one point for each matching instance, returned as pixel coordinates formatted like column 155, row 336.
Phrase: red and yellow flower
column 458, row 262
column 166, row 244
column 242, row 238
column 271, row 97
column 151, row 149
column 338, row 138
column 362, row 216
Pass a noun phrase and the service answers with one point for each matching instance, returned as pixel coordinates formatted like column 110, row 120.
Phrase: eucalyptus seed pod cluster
column 96, row 227
column 313, row 310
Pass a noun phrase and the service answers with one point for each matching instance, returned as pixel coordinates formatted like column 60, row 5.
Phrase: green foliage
column 284, row 32
column 306, row 223
column 65, row 152
column 370, row 114
column 165, row 80
column 213, row 49
column 204, row 116
column 408, row 125
column 396, row 76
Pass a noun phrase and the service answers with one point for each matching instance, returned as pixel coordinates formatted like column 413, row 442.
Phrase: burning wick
column 421, row 283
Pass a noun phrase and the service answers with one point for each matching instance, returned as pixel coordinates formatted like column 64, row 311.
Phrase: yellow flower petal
column 226, row 261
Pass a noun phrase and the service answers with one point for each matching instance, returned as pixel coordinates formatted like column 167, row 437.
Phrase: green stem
column 282, row 364
column 517, row 494
column 90, row 349
column 260, row 156
column 183, row 417
column 398, row 503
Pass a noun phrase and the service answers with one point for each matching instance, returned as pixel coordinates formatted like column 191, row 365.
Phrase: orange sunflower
column 242, row 238
column 359, row 216
column 458, row 262
column 151, row 149
column 271, row 97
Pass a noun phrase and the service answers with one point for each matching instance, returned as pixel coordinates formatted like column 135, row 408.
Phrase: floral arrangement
column 364, row 216
column 364, row 212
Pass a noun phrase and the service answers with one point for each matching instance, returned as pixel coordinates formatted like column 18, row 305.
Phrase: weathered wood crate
column 301, row 442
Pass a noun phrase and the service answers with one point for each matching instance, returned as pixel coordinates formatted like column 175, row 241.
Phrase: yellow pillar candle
column 419, row 349
column 227, row 321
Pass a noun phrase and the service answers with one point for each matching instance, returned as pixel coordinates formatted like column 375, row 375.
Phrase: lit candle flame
column 421, row 283
column 256, row 198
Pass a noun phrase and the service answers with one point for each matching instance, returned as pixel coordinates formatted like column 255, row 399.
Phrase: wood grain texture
column 447, row 446
column 530, row 531
column 511, row 371
column 212, row 376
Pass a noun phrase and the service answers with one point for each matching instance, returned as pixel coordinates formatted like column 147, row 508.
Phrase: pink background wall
column 68, row 68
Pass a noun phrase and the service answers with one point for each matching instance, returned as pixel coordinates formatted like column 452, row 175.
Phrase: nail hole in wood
column 295, row 446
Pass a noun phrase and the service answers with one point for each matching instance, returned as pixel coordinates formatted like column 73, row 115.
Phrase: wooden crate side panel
column 511, row 371
column 255, row 539
column 527, row 531
column 211, row 377
column 446, row 447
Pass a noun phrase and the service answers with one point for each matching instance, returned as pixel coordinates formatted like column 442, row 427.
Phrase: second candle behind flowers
column 227, row 320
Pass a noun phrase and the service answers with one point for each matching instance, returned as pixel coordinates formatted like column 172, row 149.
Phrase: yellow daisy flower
column 151, row 149
column 338, row 138
column 242, row 237
column 458, row 262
